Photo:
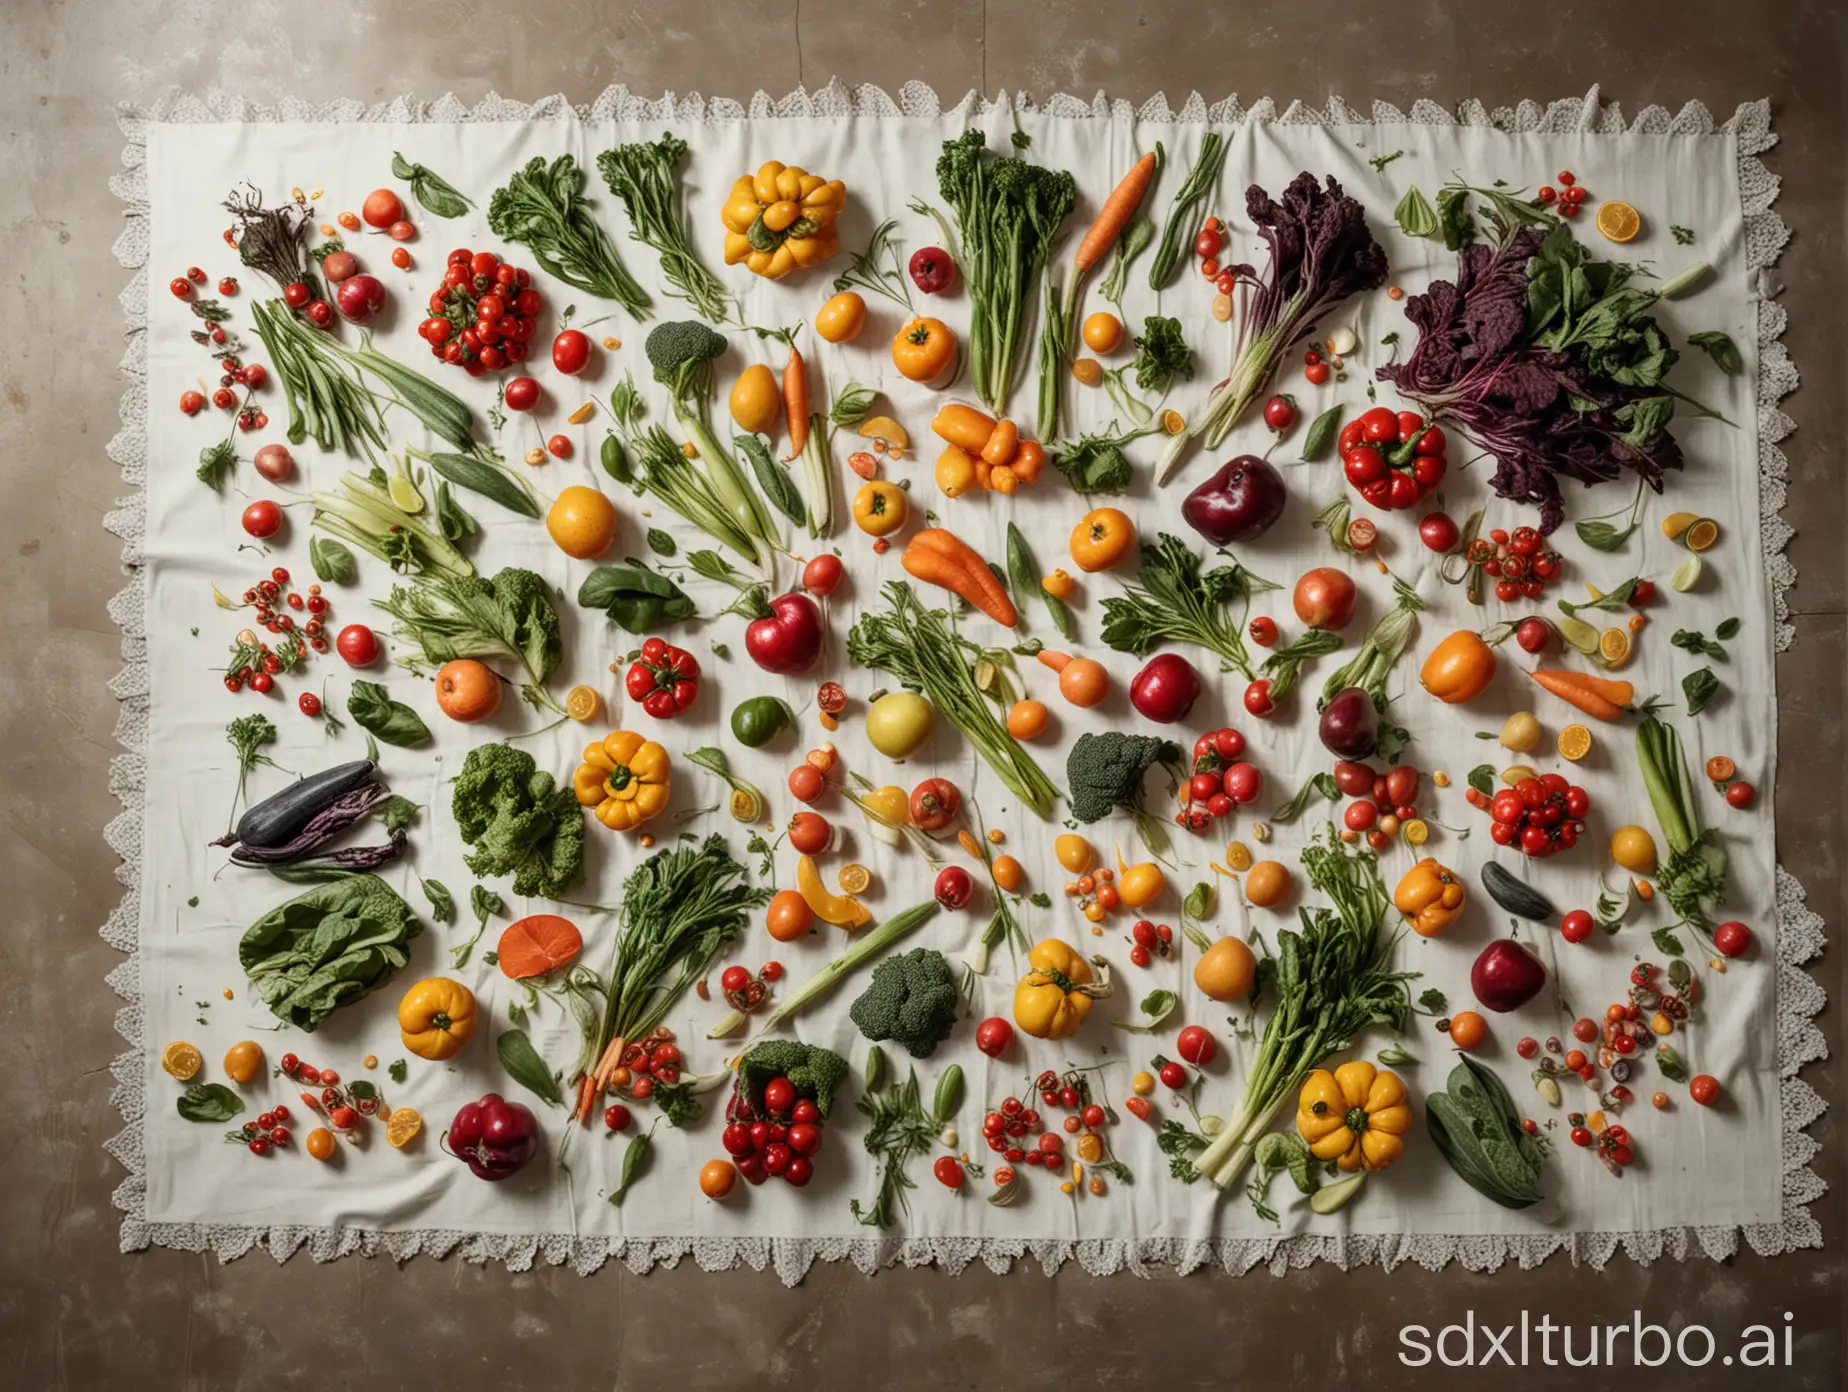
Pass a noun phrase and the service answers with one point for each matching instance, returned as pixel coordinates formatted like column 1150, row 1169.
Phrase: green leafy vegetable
column 333, row 564
column 1097, row 463
column 1177, row 602
column 327, row 947
column 1322, row 432
column 436, row 193
column 1720, row 347
column 363, row 513
column 544, row 209
column 1382, row 648
column 208, row 1102
column 508, row 617
column 1415, row 215
column 643, row 176
column 1477, row 1128
column 1157, row 1006
column 773, row 479
column 852, row 404
column 637, row 600
column 1317, row 783
column 1284, row 667
column 525, row 1067
column 249, row 735
column 869, row 270
column 519, row 821
column 1024, row 574
column 484, row 903
column 1482, row 779
column 1684, row 236
column 638, row 1150
column 375, row 712
column 899, row 1129
column 662, row 543
column 1281, row 1152
column 1699, row 687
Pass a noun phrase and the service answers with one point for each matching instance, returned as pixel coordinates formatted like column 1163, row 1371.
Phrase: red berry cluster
column 1568, row 196
column 1151, row 940
column 345, row 1108
column 484, row 313
column 225, row 349
column 1383, row 802
column 1221, row 782
column 1210, row 241
column 1541, row 815
column 268, row 1132
column 1392, row 459
column 782, row 1141
column 1520, row 563
column 1615, row 1149
column 254, row 663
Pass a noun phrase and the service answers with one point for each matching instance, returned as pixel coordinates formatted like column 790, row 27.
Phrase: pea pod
column 949, row 1094
column 876, row 1068
column 632, row 1156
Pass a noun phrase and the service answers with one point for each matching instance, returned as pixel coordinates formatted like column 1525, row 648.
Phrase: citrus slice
column 1514, row 773
column 884, row 428
column 1578, row 633
column 1687, row 575
column 1238, row 856
column 1574, row 742
column 583, row 703
column 181, row 1060
column 1676, row 524
column 1702, row 534
column 1416, row 833
column 403, row 1127
column 1173, row 422
column 404, row 494
column 855, row 879
column 1614, row 647
column 1618, row 221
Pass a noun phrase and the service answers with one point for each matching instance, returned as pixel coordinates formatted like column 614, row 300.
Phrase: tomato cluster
column 1542, row 815
column 1392, row 460
column 1018, row 1134
column 782, row 1142
column 255, row 664
column 484, row 313
column 1384, row 803
column 1221, row 781
column 665, row 679
column 646, row 1062
column 1520, row 563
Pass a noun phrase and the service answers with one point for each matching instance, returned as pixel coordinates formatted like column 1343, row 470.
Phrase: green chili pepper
column 632, row 1158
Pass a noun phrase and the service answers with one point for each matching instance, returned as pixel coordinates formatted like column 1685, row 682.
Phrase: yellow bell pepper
column 1355, row 1116
column 436, row 1017
column 1053, row 998
column 624, row 778
column 781, row 219
column 1431, row 896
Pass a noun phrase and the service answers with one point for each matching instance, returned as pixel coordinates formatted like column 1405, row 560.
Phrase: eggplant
column 276, row 820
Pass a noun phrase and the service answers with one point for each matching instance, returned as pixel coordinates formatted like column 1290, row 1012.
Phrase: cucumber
column 490, row 482
column 1516, row 895
column 276, row 820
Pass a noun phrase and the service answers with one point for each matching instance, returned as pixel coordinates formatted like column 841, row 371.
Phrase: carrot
column 538, row 944
column 999, row 448
column 1114, row 216
column 796, row 402
column 1055, row 660
column 586, row 1094
column 964, row 426
column 1577, row 693
column 936, row 556
column 1620, row 693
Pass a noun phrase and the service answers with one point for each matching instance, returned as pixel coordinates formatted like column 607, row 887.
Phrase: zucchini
column 493, row 483
column 278, row 818
column 1515, row 894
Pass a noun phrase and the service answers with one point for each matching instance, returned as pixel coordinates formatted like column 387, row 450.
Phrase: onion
column 275, row 462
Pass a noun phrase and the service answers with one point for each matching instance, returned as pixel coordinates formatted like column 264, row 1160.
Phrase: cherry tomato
column 559, row 446
column 571, row 352
column 358, row 645
column 805, row 782
column 993, row 1036
column 954, row 887
column 809, row 834
column 1732, row 939
column 1316, row 374
column 1280, row 413
column 1173, row 1075
column 263, row 518
column 1263, row 630
column 1533, row 635
column 181, row 287
column 1196, row 1045
column 1438, row 532
column 1577, row 926
column 1740, row 794
column 192, row 402
column 949, row 1173
column 822, row 575
column 1258, row 700
column 1208, row 244
column 1704, row 1088
column 320, row 313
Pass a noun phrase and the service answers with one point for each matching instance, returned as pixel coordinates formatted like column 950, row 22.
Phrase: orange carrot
column 1620, row 693
column 796, row 402
column 936, row 556
column 1579, row 693
column 587, row 1087
column 1055, row 660
column 1114, row 216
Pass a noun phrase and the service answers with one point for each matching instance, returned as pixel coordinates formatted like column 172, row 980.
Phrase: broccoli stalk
column 1106, row 771
column 911, row 1000
column 682, row 353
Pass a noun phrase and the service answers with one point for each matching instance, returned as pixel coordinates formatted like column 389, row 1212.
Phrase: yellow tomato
column 899, row 722
column 756, row 400
column 1102, row 332
column 582, row 522
column 841, row 318
column 1076, row 855
column 955, row 471
column 1634, row 849
column 880, row 507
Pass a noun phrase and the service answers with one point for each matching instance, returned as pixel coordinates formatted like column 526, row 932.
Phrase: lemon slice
column 855, row 879
column 1618, row 221
column 404, row 494
column 1614, row 647
column 181, row 1060
column 403, row 1127
column 582, row 703
column 884, row 428
column 1173, row 422
column 1514, row 773
column 1687, row 575
column 1574, row 742
column 1702, row 534
column 1238, row 856
column 1676, row 524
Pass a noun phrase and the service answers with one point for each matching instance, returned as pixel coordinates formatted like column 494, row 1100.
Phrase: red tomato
column 809, row 833
column 1258, row 700
column 779, row 1095
column 263, row 518
column 954, row 886
column 571, row 352
column 1243, row 783
column 822, row 575
column 1196, row 1045
column 382, row 208
column 993, row 1036
column 521, row 394
column 1577, row 926
column 1263, row 630
column 1280, row 413
column 559, row 446
column 358, row 644
column 1704, row 1088
column 949, row 1173
column 1740, row 794
column 1732, row 939
column 934, row 803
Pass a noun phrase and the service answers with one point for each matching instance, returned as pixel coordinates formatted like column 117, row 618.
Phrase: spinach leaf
column 209, row 1102
column 1729, row 628
column 1720, row 347
column 436, row 193
column 1157, row 1006
column 1700, row 688
column 1692, row 640
column 327, row 947
column 333, row 563
column 1646, row 417
column 632, row 1156
column 1453, row 218
column 662, row 543
column 1602, row 536
column 375, row 712
column 1666, row 942
column 1476, row 1128
column 399, row 812
column 525, row 1067
column 636, row 599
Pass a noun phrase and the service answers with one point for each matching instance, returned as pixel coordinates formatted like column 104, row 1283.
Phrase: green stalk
column 870, row 943
column 746, row 510
column 818, row 477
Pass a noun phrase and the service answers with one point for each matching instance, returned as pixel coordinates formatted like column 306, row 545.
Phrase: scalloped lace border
column 1800, row 930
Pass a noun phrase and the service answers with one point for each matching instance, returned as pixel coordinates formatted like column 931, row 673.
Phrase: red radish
column 275, row 462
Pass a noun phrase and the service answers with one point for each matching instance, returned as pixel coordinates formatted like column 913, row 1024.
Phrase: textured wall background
column 75, row 1313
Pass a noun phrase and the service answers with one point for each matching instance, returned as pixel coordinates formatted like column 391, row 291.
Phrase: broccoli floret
column 911, row 1000
column 1105, row 772
column 1097, row 463
column 814, row 1072
column 519, row 821
column 681, row 353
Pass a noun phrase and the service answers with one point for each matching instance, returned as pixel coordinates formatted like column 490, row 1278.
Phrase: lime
column 1686, row 576
column 1578, row 633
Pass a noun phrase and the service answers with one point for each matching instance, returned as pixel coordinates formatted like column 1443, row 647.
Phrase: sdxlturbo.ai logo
column 1550, row 1344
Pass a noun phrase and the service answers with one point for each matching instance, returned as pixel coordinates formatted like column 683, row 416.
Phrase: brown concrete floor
column 75, row 1313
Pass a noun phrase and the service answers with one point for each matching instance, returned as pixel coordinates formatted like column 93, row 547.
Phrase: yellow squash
column 1431, row 897
column 1053, row 998
column 842, row 910
column 436, row 1017
column 1355, row 1116
column 624, row 779
column 782, row 218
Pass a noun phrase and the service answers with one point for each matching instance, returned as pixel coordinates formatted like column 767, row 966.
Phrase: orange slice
column 1614, row 647
column 1618, row 221
column 886, row 429
column 403, row 1127
column 583, row 703
column 1702, row 534
column 1574, row 742
column 181, row 1060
